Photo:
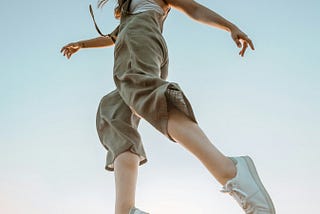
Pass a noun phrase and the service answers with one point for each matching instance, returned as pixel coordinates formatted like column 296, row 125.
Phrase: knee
column 174, row 117
column 127, row 160
column 179, row 121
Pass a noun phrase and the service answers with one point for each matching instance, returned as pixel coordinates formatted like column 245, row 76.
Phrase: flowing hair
column 117, row 9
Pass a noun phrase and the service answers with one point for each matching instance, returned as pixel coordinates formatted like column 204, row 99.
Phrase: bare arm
column 204, row 15
column 99, row 42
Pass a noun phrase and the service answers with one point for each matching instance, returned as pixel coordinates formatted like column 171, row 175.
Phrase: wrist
column 231, row 27
column 80, row 44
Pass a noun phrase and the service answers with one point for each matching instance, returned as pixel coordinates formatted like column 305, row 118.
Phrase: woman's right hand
column 69, row 49
column 241, row 40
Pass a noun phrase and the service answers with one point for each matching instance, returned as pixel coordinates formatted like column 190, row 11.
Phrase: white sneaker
column 136, row 211
column 247, row 189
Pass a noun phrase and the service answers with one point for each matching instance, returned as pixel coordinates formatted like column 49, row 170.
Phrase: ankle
column 123, row 209
column 230, row 171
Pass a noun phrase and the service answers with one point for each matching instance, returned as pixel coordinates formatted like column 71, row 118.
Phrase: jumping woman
column 140, row 71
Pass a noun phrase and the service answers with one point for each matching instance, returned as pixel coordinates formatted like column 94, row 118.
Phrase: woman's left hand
column 70, row 49
column 242, row 40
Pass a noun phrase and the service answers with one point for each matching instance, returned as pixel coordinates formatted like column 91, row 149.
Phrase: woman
column 140, row 73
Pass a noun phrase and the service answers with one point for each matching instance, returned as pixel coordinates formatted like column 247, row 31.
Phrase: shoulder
column 163, row 3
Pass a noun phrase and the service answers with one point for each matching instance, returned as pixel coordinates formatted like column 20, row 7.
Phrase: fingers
column 66, row 47
column 244, row 48
column 68, row 50
column 65, row 50
column 68, row 54
column 62, row 49
column 250, row 43
column 237, row 41
column 245, row 41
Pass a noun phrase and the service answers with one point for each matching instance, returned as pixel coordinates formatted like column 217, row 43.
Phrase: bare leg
column 126, row 172
column 189, row 135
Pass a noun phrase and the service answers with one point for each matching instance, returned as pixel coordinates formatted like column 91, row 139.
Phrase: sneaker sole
column 254, row 173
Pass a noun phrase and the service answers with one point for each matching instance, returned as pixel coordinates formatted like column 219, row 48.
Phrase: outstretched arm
column 99, row 42
column 204, row 15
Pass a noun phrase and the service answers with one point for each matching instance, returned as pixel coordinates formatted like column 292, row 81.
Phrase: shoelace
column 240, row 196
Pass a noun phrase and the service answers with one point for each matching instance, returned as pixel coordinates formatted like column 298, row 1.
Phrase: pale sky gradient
column 265, row 105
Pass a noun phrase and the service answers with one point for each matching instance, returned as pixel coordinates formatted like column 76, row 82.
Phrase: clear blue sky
column 265, row 105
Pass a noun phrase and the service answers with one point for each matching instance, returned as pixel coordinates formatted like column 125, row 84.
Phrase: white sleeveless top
column 138, row 6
